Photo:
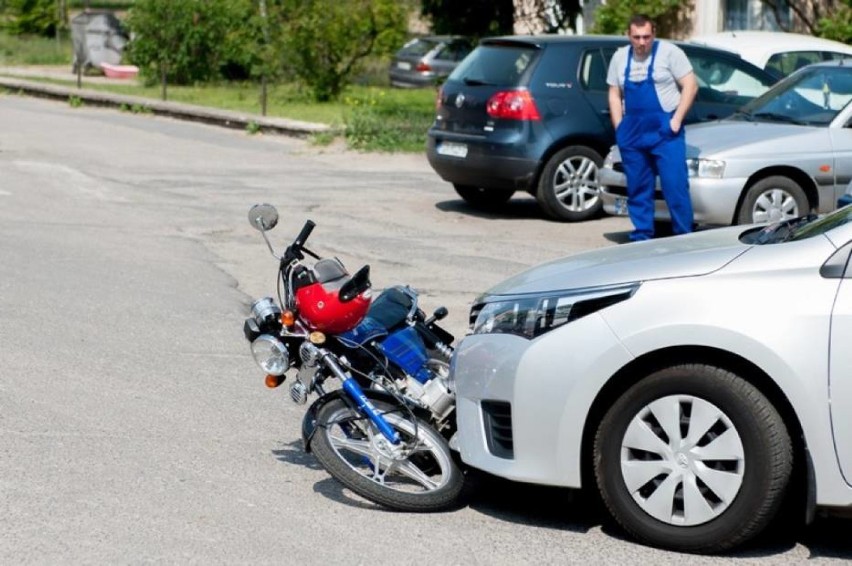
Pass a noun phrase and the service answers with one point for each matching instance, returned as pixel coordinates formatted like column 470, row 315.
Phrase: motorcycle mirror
column 263, row 217
column 440, row 313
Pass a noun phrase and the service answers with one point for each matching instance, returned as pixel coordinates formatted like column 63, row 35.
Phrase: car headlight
column 708, row 168
column 270, row 354
column 533, row 315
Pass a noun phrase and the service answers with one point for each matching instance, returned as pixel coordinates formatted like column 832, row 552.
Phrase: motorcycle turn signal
column 273, row 381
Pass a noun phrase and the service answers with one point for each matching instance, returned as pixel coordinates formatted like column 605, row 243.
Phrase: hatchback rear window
column 418, row 47
column 499, row 65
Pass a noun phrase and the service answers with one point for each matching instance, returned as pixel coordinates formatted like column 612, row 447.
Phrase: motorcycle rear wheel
column 419, row 475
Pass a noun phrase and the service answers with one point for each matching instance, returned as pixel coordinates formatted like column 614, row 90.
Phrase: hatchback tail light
column 513, row 105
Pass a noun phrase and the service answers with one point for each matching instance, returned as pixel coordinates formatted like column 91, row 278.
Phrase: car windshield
column 798, row 228
column 814, row 96
column 499, row 65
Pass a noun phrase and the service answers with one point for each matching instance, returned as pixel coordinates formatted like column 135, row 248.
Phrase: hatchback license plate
column 453, row 149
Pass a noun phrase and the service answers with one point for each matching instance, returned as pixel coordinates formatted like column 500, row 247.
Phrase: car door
column 840, row 370
column 725, row 82
column 594, row 64
column 841, row 144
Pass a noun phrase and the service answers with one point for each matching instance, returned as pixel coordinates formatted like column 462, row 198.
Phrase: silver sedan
column 787, row 153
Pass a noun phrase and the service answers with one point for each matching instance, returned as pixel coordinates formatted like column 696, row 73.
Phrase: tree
column 39, row 17
column 475, row 18
column 826, row 18
column 184, row 42
column 327, row 40
column 613, row 17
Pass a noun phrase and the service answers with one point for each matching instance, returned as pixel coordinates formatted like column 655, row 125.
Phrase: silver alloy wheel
column 682, row 460
column 775, row 205
column 575, row 183
column 372, row 456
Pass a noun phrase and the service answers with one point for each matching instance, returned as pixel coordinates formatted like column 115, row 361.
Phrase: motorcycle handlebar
column 303, row 235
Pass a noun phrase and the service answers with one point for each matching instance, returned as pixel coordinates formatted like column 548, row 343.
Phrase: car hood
column 680, row 256
column 712, row 138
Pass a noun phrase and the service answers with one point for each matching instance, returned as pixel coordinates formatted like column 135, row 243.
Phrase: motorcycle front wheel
column 417, row 475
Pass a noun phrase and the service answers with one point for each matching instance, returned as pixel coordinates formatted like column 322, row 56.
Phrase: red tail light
column 513, row 105
column 422, row 67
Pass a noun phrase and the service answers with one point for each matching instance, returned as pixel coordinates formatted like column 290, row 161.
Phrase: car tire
column 568, row 188
column 483, row 198
column 693, row 458
column 773, row 199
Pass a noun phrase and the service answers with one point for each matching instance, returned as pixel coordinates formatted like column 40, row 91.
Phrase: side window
column 593, row 69
column 454, row 51
column 786, row 63
column 728, row 81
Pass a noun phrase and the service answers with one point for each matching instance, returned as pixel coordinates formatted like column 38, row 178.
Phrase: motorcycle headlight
column 708, row 168
column 270, row 354
column 533, row 315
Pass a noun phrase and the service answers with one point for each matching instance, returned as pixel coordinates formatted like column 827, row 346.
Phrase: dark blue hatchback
column 530, row 113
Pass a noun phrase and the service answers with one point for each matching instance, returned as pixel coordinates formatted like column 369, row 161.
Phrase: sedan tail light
column 422, row 67
column 513, row 105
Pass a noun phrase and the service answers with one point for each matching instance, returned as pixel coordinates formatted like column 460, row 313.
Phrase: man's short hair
column 640, row 20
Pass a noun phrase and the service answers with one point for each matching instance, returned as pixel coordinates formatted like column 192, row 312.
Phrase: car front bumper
column 714, row 201
column 522, row 404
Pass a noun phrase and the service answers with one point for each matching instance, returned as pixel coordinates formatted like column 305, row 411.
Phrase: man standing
column 656, row 83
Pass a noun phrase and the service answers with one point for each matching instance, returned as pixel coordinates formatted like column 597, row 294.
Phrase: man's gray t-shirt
column 670, row 65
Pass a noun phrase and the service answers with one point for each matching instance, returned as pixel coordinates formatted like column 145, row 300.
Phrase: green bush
column 379, row 122
column 326, row 41
column 37, row 17
column 184, row 42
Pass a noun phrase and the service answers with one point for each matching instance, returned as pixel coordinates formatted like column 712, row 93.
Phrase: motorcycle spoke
column 411, row 471
column 361, row 447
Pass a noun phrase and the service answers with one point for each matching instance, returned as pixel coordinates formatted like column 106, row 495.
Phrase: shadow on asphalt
column 294, row 453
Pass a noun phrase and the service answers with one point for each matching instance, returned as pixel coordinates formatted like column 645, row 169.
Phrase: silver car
column 782, row 155
column 696, row 381
column 426, row 61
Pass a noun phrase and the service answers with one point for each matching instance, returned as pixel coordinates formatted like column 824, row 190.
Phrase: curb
column 225, row 118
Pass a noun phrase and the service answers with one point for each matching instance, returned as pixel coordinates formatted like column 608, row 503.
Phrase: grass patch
column 35, row 50
column 389, row 120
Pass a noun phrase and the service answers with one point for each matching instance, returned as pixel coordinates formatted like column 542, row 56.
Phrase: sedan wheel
column 693, row 458
column 568, row 188
column 773, row 199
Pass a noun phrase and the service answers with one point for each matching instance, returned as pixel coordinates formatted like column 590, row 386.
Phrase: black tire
column 350, row 456
column 568, row 188
column 711, row 488
column 486, row 199
column 773, row 199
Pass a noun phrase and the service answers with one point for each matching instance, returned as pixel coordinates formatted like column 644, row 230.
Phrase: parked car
column 779, row 53
column 782, row 155
column 531, row 113
column 695, row 381
column 425, row 61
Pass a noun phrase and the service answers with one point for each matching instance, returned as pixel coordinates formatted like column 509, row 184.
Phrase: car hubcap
column 682, row 460
column 775, row 205
column 576, row 183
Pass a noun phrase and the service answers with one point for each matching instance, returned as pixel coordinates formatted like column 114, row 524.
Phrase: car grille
column 497, row 418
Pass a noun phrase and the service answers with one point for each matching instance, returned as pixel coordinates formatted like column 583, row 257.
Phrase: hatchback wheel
column 483, row 198
column 773, row 199
column 693, row 458
column 568, row 188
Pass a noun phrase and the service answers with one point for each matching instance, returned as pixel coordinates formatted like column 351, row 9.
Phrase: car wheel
column 693, row 458
column 483, row 198
column 773, row 199
column 568, row 188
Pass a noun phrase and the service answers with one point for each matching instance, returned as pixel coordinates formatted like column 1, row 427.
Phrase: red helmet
column 336, row 302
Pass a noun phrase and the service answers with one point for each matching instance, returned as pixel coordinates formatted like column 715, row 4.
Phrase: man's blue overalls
column 648, row 148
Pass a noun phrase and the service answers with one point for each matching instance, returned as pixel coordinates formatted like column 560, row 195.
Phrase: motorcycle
column 383, row 432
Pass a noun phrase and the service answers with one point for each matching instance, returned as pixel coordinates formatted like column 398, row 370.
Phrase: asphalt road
column 134, row 425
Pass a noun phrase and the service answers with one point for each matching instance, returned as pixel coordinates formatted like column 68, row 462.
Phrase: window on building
column 754, row 14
